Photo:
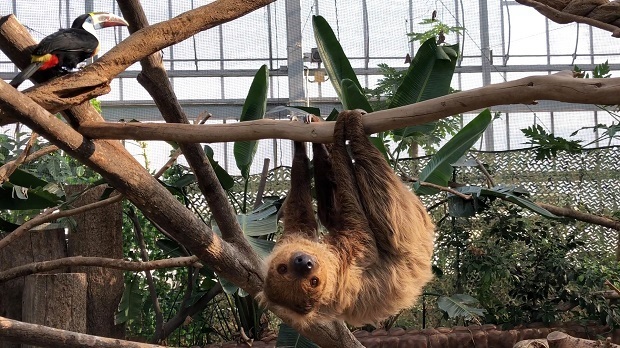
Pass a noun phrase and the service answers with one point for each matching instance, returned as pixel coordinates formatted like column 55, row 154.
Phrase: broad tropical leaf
column 439, row 169
column 336, row 62
column 253, row 109
column 223, row 177
column 130, row 307
column 428, row 77
column 460, row 305
column 353, row 98
column 459, row 207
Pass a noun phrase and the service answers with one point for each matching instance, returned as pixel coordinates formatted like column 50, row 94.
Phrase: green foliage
column 438, row 171
column 437, row 29
column 601, row 71
column 253, row 109
column 548, row 145
column 460, row 305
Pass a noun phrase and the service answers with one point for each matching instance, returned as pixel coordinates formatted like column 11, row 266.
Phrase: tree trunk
column 36, row 245
column 55, row 300
column 99, row 233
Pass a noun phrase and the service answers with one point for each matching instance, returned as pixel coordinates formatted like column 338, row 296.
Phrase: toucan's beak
column 105, row 19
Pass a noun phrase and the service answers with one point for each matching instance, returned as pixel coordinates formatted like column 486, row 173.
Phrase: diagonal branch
column 9, row 168
column 560, row 87
column 44, row 266
column 155, row 80
column 45, row 336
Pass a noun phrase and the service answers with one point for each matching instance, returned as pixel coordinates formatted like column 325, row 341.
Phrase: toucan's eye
column 282, row 268
column 314, row 282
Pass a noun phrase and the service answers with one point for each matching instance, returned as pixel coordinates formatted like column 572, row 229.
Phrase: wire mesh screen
column 211, row 71
column 587, row 182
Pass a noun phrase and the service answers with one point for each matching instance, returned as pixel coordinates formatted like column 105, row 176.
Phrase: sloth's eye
column 282, row 268
column 314, row 282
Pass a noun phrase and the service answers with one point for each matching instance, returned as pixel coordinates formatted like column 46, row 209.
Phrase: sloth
column 375, row 258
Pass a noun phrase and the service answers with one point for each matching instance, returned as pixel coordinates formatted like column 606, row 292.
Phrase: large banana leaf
column 253, row 109
column 460, row 207
column 130, row 307
column 428, row 77
column 261, row 221
column 223, row 177
column 352, row 97
column 336, row 62
column 439, row 169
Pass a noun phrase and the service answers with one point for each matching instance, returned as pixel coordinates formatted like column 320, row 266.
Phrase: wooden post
column 55, row 300
column 37, row 245
column 99, row 233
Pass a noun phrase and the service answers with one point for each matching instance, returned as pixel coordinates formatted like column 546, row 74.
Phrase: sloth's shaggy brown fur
column 377, row 256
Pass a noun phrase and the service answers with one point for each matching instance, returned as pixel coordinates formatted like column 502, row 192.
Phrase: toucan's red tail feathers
column 25, row 74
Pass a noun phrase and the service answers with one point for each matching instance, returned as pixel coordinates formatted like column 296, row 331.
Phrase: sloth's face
column 295, row 280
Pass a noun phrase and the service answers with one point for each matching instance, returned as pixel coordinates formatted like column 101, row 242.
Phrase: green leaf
column 308, row 109
column 288, row 337
column 353, row 98
column 459, row 305
column 223, row 177
column 333, row 116
column 439, row 169
column 14, row 197
column 380, row 145
column 130, row 307
column 253, row 109
column 512, row 195
column 429, row 76
column 7, row 226
column 336, row 62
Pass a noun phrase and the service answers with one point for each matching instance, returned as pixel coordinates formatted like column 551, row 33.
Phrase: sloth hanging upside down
column 376, row 258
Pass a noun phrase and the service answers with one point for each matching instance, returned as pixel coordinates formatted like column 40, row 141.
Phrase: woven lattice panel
column 588, row 182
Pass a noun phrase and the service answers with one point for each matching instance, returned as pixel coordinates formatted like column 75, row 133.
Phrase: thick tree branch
column 44, row 266
column 45, row 336
column 563, row 17
column 560, row 87
column 581, row 216
column 155, row 80
column 94, row 79
column 124, row 173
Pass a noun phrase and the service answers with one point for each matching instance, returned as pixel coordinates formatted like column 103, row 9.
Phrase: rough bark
column 560, row 87
column 154, row 79
column 35, row 246
column 558, row 339
column 56, row 300
column 99, row 233
column 123, row 172
column 602, row 14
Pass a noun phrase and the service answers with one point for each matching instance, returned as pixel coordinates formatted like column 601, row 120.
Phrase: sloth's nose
column 302, row 263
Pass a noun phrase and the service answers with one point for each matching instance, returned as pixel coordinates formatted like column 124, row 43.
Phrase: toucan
column 66, row 48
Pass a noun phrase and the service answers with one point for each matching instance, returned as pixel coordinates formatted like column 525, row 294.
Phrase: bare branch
column 566, row 17
column 9, row 168
column 123, row 172
column 45, row 336
column 484, row 171
column 559, row 87
column 155, row 80
column 581, row 216
column 51, row 215
column 44, row 266
column 40, row 153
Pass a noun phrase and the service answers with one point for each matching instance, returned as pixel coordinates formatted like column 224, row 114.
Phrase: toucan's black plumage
column 66, row 48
